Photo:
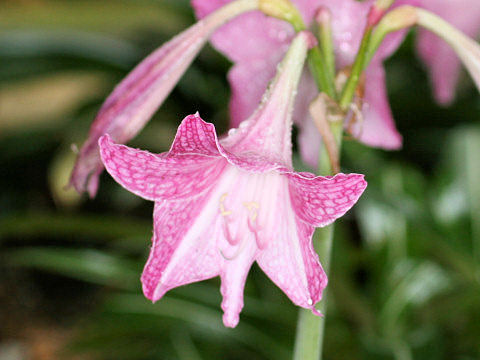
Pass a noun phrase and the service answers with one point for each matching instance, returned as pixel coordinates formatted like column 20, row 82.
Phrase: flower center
column 230, row 222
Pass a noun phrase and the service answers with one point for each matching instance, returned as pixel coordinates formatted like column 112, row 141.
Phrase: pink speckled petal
column 377, row 128
column 183, row 249
column 290, row 261
column 159, row 177
column 134, row 100
column 442, row 62
column 321, row 200
column 195, row 136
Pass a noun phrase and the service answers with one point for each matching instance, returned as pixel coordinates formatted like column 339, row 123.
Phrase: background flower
column 442, row 63
column 256, row 43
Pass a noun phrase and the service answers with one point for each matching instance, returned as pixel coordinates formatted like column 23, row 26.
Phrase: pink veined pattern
column 186, row 185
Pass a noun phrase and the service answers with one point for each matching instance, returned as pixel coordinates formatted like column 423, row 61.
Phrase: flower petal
column 248, row 81
column 195, row 136
column 320, row 200
column 183, row 249
column 256, row 43
column 290, row 261
column 309, row 139
column 377, row 127
column 159, row 177
column 310, row 143
column 268, row 131
column 233, row 275
column 441, row 60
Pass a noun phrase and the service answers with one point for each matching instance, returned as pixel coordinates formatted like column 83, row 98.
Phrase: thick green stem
column 320, row 73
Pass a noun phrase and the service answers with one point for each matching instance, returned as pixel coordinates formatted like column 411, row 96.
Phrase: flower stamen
column 252, row 207
column 223, row 211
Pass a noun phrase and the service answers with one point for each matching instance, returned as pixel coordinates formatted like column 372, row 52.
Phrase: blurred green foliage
column 405, row 275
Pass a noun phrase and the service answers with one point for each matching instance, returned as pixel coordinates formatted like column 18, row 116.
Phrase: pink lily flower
column 221, row 204
column 256, row 43
column 133, row 102
column 442, row 62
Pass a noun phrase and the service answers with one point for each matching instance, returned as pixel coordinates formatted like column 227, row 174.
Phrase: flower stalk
column 374, row 17
column 350, row 87
column 406, row 16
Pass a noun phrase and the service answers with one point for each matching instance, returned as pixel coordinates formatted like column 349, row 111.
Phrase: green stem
column 320, row 73
column 325, row 167
column 357, row 69
column 400, row 18
column 324, row 34
column 310, row 328
column 376, row 13
column 286, row 10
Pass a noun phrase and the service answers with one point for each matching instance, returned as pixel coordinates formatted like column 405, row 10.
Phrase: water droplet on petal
column 243, row 124
column 232, row 131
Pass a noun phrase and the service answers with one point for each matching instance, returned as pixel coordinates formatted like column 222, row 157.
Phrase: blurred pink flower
column 441, row 60
column 256, row 43
column 222, row 204
column 133, row 102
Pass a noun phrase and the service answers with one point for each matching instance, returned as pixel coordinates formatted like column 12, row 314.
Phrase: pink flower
column 256, row 43
column 133, row 102
column 222, row 204
column 441, row 60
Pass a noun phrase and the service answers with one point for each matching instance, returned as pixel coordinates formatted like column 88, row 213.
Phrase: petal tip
column 85, row 175
column 230, row 320
column 104, row 140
